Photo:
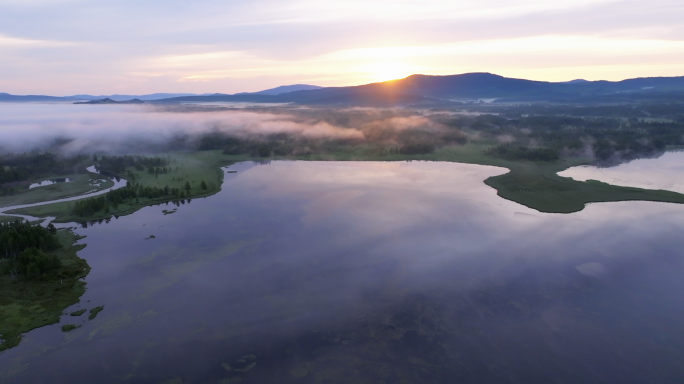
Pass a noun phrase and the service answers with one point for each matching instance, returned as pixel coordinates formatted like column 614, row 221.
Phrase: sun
column 388, row 70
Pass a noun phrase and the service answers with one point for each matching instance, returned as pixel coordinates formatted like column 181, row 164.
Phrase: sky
column 66, row 47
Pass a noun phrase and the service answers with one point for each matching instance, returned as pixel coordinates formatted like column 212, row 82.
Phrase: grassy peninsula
column 535, row 184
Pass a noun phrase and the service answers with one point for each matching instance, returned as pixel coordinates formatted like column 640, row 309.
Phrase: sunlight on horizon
column 227, row 48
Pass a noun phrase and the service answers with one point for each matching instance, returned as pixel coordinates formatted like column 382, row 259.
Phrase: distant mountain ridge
column 110, row 101
column 417, row 89
column 6, row 97
column 149, row 97
column 283, row 89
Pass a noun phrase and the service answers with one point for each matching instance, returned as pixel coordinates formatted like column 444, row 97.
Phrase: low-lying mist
column 66, row 129
column 78, row 129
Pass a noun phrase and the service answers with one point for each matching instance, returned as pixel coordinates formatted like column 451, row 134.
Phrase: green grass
column 79, row 186
column 191, row 167
column 26, row 305
column 7, row 219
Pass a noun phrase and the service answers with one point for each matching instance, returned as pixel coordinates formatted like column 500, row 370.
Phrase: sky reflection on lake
column 337, row 272
column 664, row 172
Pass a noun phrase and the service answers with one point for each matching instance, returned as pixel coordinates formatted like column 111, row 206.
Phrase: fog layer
column 66, row 128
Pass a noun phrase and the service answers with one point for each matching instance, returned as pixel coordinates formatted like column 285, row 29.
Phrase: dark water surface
column 371, row 273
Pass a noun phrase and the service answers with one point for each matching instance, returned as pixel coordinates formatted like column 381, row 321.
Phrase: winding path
column 120, row 183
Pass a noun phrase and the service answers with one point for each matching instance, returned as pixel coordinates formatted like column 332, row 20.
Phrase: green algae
column 69, row 327
column 95, row 311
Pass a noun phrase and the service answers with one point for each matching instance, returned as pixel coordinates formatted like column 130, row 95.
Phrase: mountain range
column 417, row 89
column 6, row 97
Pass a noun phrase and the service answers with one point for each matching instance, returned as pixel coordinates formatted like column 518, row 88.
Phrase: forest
column 132, row 192
column 546, row 138
column 23, row 249
column 25, row 166
column 609, row 134
column 117, row 164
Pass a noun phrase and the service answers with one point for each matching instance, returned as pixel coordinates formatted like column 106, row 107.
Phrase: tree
column 187, row 186
column 203, row 185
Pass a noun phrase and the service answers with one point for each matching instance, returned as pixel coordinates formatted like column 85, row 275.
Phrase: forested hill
column 417, row 89
column 424, row 88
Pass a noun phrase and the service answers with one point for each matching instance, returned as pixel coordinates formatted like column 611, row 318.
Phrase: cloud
column 233, row 46
column 13, row 42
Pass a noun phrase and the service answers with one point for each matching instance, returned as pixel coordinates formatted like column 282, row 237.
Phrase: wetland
column 398, row 247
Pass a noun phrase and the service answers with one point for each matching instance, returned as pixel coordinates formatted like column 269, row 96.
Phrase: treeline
column 408, row 143
column 23, row 249
column 278, row 145
column 130, row 193
column 17, row 236
column 117, row 164
column 519, row 152
column 21, row 167
column 31, row 263
column 606, row 137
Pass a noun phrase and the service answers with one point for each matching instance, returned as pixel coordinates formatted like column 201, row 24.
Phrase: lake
column 664, row 172
column 368, row 272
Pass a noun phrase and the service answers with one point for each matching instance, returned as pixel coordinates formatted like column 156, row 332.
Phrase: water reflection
column 664, row 172
column 371, row 272
column 50, row 182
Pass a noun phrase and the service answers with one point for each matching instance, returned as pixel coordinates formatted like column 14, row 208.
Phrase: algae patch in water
column 243, row 364
column 95, row 311
column 69, row 327
column 77, row 313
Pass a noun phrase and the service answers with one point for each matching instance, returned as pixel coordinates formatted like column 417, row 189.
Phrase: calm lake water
column 406, row 272
column 665, row 172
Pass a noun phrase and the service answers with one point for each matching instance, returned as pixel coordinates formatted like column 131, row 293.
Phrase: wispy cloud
column 75, row 46
column 15, row 42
